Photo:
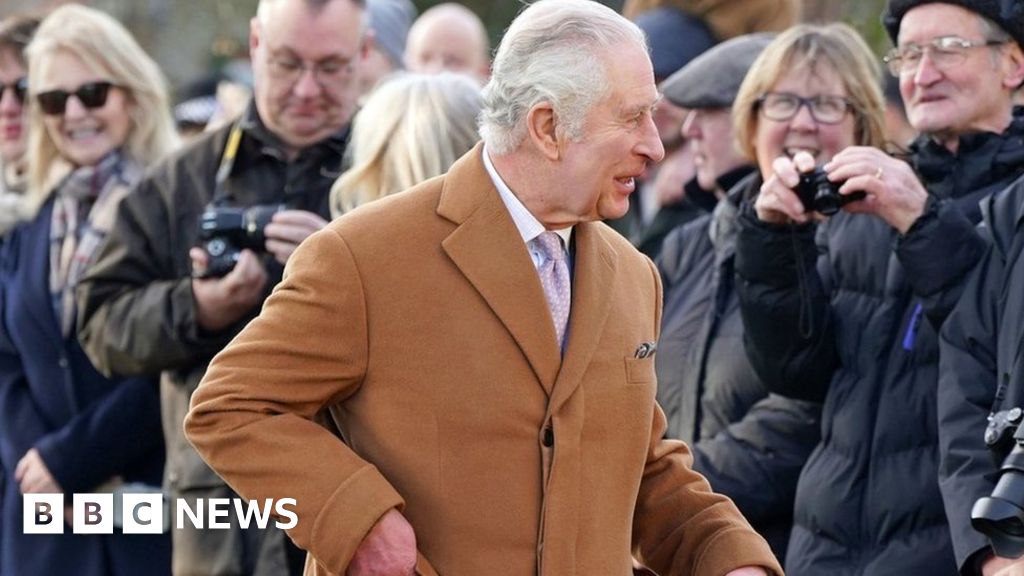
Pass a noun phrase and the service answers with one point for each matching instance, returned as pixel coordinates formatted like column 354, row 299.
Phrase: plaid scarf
column 84, row 209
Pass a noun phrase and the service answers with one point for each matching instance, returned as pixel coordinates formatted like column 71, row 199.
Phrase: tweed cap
column 674, row 37
column 712, row 79
column 1008, row 14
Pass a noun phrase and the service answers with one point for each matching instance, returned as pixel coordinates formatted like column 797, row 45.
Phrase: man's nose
column 307, row 85
column 650, row 142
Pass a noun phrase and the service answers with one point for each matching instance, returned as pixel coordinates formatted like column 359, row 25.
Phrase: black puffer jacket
column 749, row 445
column 862, row 337
column 981, row 368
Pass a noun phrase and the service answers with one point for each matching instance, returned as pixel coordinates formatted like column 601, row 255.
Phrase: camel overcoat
column 420, row 322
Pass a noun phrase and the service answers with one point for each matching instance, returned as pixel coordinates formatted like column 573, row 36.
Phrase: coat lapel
column 488, row 250
column 594, row 274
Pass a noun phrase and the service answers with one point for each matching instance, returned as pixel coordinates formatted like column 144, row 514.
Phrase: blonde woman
column 98, row 114
column 413, row 127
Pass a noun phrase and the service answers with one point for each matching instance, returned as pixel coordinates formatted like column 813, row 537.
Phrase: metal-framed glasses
column 945, row 52
column 92, row 95
column 824, row 108
column 289, row 69
column 19, row 87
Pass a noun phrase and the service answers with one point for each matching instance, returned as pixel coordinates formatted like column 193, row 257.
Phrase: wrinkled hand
column 997, row 566
column 389, row 549
column 748, row 571
column 33, row 476
column 287, row 229
column 777, row 203
column 220, row 302
column 894, row 193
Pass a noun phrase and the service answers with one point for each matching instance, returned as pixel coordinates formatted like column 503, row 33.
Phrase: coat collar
column 488, row 250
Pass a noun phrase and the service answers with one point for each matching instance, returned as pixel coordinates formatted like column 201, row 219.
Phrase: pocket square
column 645, row 349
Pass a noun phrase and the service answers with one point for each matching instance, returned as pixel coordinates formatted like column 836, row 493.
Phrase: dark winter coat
column 981, row 369
column 87, row 428
column 750, row 445
column 849, row 314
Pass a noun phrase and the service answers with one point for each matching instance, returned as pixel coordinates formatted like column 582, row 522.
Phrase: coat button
column 549, row 437
column 62, row 362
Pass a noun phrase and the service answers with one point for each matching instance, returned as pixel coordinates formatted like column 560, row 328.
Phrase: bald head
column 450, row 37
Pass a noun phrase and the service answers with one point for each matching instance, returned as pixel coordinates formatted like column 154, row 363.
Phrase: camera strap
column 227, row 162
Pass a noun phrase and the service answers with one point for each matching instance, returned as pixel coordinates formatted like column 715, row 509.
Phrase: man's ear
column 254, row 37
column 542, row 127
column 369, row 41
column 1013, row 67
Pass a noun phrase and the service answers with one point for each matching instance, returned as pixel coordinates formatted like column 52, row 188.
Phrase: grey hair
column 314, row 5
column 993, row 32
column 552, row 53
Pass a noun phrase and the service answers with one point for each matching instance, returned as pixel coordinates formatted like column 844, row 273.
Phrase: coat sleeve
column 680, row 526
column 966, row 394
column 938, row 252
column 136, row 312
column 756, row 461
column 21, row 421
column 261, row 394
column 788, row 331
column 107, row 438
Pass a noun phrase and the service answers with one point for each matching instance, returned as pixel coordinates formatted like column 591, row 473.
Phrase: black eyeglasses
column 782, row 106
column 91, row 95
column 19, row 86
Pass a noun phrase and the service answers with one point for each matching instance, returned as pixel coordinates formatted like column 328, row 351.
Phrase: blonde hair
column 814, row 47
column 413, row 127
column 104, row 46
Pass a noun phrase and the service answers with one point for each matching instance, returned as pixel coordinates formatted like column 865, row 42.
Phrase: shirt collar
column 527, row 224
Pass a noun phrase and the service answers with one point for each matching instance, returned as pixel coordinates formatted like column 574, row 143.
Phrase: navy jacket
column 87, row 428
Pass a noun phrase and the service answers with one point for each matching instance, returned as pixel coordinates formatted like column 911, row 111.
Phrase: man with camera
column 202, row 240
column 848, row 309
column 981, row 375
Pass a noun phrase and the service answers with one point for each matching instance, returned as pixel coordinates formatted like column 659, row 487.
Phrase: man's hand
column 997, row 566
column 220, row 302
column 287, row 229
column 894, row 193
column 33, row 476
column 388, row 550
column 748, row 571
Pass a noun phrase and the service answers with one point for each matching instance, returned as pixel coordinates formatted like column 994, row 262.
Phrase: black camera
column 819, row 194
column 225, row 231
column 1000, row 517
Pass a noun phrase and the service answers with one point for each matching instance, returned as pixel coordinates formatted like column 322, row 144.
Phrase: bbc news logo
column 146, row 513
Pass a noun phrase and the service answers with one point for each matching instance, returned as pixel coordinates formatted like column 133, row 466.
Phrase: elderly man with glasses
column 163, row 299
column 847, row 309
column 980, row 345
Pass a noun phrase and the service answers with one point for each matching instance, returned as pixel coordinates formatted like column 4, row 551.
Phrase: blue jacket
column 87, row 428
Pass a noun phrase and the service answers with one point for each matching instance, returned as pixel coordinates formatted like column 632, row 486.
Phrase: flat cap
column 712, row 79
column 674, row 37
column 1008, row 14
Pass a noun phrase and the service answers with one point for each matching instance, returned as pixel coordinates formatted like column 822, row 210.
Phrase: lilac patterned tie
column 554, row 277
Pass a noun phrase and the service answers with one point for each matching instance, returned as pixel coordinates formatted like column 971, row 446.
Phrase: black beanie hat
column 1008, row 14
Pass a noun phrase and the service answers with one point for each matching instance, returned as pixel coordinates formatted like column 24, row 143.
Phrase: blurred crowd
column 836, row 234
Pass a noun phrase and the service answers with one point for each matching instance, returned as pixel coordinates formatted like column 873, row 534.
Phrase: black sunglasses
column 91, row 95
column 20, row 87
